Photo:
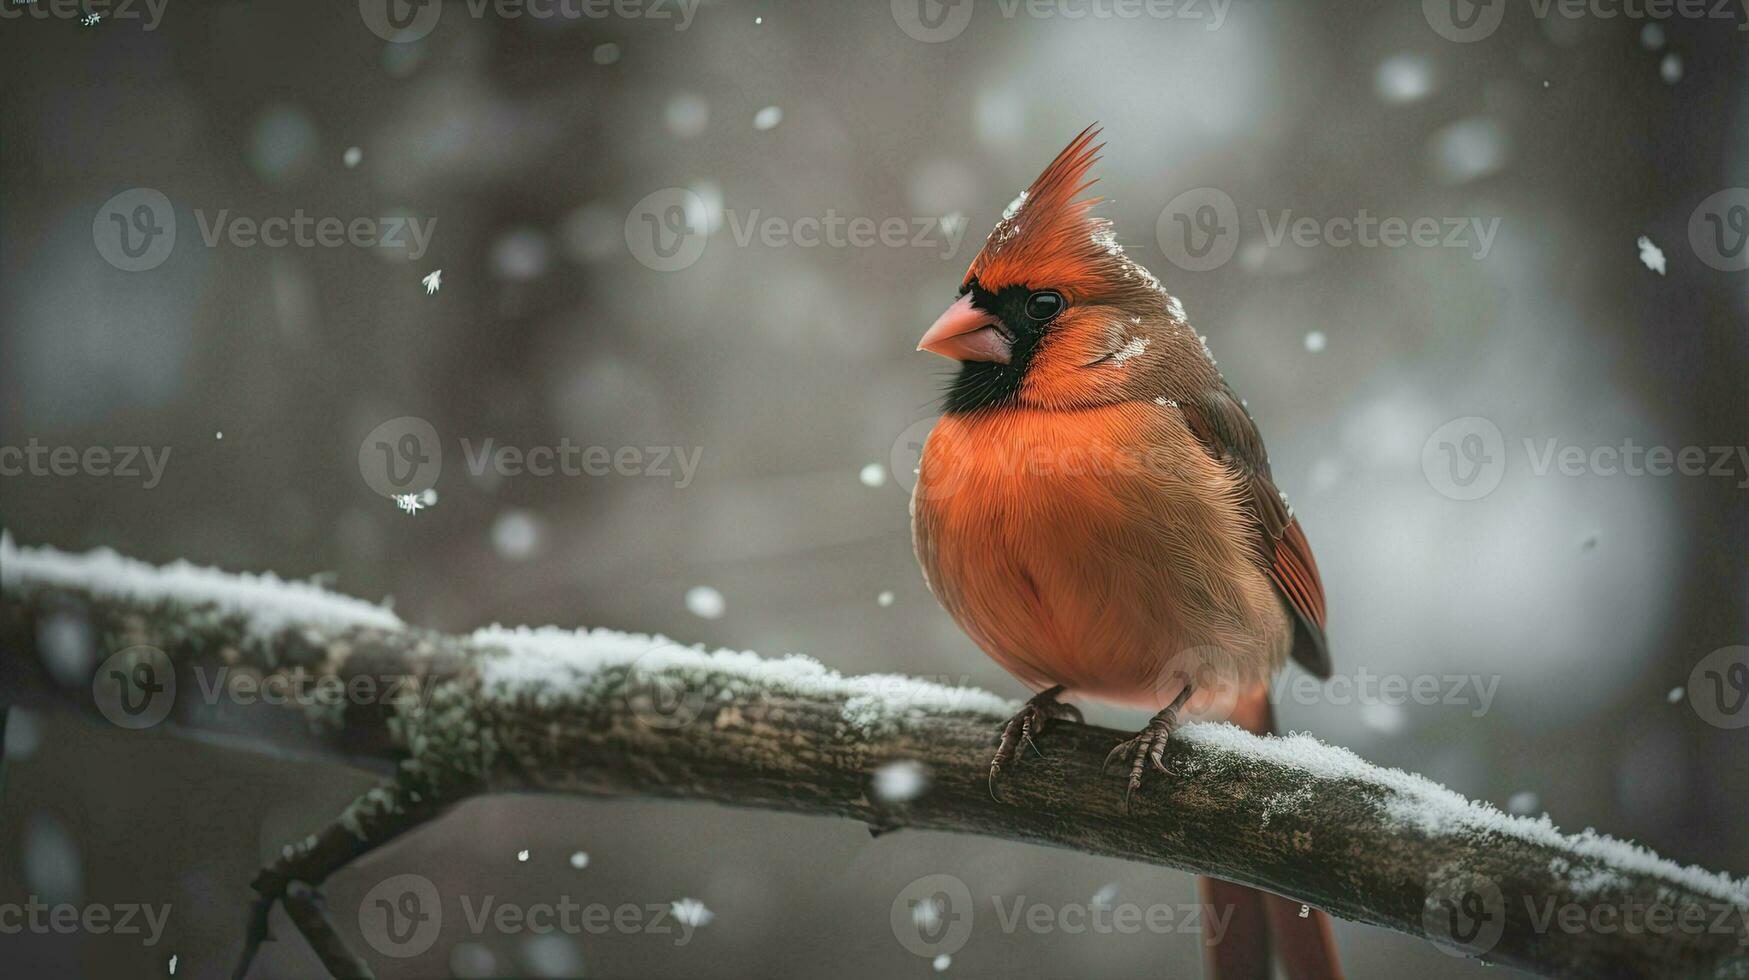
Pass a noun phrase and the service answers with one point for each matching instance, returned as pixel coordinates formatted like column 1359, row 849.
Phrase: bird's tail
column 1257, row 923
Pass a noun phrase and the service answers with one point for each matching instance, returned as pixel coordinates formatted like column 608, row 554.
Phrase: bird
column 1095, row 508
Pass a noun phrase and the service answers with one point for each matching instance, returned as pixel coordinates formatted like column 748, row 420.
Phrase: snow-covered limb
column 616, row 714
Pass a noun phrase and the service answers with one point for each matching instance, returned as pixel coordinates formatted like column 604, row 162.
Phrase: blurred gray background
column 530, row 141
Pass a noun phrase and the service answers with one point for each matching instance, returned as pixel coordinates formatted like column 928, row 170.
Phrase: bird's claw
column 1031, row 720
column 1148, row 748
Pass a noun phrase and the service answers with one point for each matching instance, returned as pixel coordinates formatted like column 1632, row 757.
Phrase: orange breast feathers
column 1101, row 549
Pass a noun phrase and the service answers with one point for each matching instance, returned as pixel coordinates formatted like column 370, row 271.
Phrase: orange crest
column 1047, row 237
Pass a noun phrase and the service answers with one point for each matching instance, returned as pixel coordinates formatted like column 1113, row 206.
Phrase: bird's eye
column 1043, row 305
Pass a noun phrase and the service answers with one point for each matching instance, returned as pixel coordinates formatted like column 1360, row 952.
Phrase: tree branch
column 285, row 667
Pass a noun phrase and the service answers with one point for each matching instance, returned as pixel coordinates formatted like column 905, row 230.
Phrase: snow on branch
column 289, row 667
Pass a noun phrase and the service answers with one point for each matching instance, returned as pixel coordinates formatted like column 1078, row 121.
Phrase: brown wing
column 1226, row 430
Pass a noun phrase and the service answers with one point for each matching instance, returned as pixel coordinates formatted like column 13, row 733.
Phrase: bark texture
column 439, row 735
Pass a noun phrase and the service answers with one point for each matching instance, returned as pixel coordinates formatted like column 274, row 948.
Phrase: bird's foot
column 1148, row 747
column 1041, row 709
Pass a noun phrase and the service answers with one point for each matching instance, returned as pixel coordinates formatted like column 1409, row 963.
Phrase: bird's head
column 1052, row 313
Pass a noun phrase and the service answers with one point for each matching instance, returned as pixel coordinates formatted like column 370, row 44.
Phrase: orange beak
column 966, row 333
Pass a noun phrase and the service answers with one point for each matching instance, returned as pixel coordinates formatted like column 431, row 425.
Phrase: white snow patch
column 1014, row 206
column 1132, row 347
column 1418, row 803
column 267, row 602
column 557, row 666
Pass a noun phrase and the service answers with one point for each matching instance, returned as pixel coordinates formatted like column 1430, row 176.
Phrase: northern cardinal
column 1095, row 509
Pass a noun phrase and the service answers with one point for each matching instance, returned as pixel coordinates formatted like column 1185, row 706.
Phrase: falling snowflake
column 705, row 602
column 90, row 20
column 409, row 502
column 433, row 282
column 522, row 855
column 172, row 964
column 768, row 117
column 942, row 962
column 901, row 781
column 873, row 475
column 579, row 860
column 692, row 912
column 1305, row 910
column 1651, row 255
